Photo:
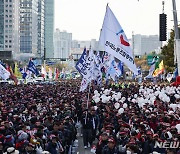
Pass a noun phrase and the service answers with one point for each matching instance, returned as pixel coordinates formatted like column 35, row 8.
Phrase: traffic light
column 163, row 27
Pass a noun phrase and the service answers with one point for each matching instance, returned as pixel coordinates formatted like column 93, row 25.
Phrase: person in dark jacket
column 94, row 120
column 103, row 141
column 54, row 146
column 86, row 128
column 110, row 148
column 1, row 148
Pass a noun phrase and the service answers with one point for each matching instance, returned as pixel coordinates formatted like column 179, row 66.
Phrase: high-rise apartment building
column 9, row 19
column 41, row 22
column 49, row 28
column 62, row 44
column 1, row 25
column 143, row 44
column 22, row 29
column 28, row 26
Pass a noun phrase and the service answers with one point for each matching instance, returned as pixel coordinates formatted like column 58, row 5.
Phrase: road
column 81, row 149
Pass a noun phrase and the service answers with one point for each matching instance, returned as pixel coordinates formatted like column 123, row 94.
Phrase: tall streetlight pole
column 176, row 30
column 176, row 37
column 133, row 43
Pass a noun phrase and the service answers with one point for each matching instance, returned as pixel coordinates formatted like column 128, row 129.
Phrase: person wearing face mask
column 30, row 149
column 1, row 148
column 147, row 146
column 122, row 139
column 54, row 146
column 131, row 148
column 103, row 140
column 110, row 148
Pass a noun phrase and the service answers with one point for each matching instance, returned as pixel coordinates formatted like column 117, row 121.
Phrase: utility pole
column 133, row 43
column 176, row 38
column 45, row 63
column 176, row 30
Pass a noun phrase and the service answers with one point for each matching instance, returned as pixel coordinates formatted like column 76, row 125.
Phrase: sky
column 84, row 18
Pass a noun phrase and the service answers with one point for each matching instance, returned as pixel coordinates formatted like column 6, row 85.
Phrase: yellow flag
column 159, row 69
column 17, row 73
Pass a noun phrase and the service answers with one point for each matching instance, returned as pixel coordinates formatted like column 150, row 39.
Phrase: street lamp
column 176, row 38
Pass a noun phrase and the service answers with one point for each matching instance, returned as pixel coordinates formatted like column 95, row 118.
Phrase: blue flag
column 31, row 67
column 115, row 70
column 80, row 65
column 23, row 72
column 175, row 73
column 121, row 67
column 2, row 64
column 139, row 71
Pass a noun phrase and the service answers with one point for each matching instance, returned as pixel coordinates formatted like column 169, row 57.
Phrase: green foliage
column 60, row 66
column 168, row 53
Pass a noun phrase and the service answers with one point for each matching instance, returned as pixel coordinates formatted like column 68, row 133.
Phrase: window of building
column 6, row 46
column 10, row 41
column 10, row 46
column 6, row 41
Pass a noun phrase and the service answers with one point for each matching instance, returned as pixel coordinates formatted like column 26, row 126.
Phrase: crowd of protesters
column 37, row 118
column 42, row 118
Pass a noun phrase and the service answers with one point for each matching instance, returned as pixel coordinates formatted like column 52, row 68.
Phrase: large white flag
column 50, row 73
column 88, row 70
column 97, row 74
column 43, row 72
column 4, row 74
column 115, row 42
column 84, row 84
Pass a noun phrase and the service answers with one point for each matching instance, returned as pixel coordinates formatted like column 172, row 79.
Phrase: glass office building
column 40, row 28
column 1, row 25
column 9, row 28
column 22, row 28
column 49, row 28
column 28, row 26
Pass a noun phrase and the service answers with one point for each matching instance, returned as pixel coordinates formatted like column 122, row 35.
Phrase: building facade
column 22, row 28
column 49, row 28
column 62, row 44
column 143, row 44
column 9, row 28
column 1, row 25
column 41, row 22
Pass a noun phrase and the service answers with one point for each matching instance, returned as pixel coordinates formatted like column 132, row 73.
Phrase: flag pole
column 88, row 94
column 87, row 105
column 45, row 63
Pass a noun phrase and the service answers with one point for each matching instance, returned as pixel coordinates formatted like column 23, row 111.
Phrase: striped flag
column 159, row 69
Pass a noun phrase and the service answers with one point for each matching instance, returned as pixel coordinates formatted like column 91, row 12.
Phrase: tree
column 168, row 53
column 60, row 66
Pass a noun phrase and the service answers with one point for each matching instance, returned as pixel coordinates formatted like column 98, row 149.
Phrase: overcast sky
column 84, row 18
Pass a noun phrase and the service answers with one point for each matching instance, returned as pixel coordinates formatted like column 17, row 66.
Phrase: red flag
column 12, row 76
column 57, row 74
